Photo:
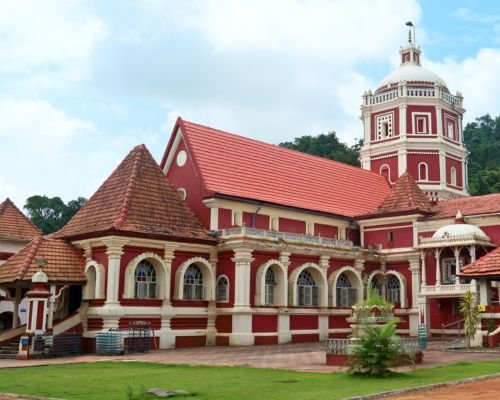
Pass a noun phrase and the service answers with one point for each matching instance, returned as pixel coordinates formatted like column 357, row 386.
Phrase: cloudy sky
column 82, row 82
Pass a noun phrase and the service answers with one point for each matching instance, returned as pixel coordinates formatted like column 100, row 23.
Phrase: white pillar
column 442, row 168
column 402, row 120
column 456, row 251
column 438, row 268
column 484, row 292
column 114, row 252
column 17, row 301
column 424, row 273
column 52, row 299
column 242, row 313
column 439, row 121
column 415, row 279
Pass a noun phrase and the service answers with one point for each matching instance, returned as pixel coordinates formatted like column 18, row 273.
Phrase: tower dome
column 412, row 123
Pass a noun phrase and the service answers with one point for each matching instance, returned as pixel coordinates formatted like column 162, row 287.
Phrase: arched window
column 453, row 176
column 393, row 289
column 423, row 172
column 222, row 293
column 308, row 292
column 270, row 285
column 346, row 294
column 145, row 280
column 90, row 288
column 375, row 285
column 193, row 283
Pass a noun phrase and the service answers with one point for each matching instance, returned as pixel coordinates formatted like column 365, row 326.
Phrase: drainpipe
column 254, row 216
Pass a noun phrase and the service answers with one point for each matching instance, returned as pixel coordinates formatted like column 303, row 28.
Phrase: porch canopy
column 64, row 265
column 487, row 266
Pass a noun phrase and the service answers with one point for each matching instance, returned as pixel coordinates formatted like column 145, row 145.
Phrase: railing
column 471, row 238
column 447, row 289
column 382, row 97
column 449, row 98
column 413, row 92
column 275, row 235
column 345, row 346
column 64, row 344
column 457, row 339
column 420, row 92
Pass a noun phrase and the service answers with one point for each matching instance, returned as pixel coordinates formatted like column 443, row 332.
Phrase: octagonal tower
column 412, row 122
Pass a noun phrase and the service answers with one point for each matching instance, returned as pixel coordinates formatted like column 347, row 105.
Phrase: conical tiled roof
column 136, row 199
column 14, row 224
column 65, row 263
column 405, row 197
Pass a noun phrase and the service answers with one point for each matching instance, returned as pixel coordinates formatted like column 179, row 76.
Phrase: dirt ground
column 485, row 389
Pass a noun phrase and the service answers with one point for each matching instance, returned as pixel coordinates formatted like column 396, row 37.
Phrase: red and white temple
column 232, row 241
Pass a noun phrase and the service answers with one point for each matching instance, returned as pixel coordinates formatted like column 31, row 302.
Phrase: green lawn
column 109, row 380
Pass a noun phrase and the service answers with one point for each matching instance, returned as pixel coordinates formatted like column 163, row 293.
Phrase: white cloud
column 477, row 78
column 48, row 42
column 344, row 30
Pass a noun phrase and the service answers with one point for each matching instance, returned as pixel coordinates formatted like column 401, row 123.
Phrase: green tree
column 470, row 312
column 326, row 146
column 482, row 138
column 50, row 213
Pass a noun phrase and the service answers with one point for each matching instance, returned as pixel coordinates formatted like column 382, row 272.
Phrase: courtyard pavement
column 297, row 357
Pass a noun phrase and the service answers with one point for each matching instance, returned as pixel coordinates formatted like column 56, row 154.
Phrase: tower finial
column 410, row 25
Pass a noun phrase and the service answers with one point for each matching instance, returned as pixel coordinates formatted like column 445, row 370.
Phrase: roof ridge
column 29, row 257
column 283, row 149
column 122, row 217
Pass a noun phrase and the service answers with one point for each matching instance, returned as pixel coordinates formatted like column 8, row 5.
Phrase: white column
column 439, row 121
column 472, row 250
column 284, row 334
column 442, row 168
column 415, row 279
column 402, row 162
column 114, row 252
column 368, row 128
column 242, row 313
column 484, row 292
column 438, row 268
column 456, row 251
column 52, row 299
column 424, row 273
column 402, row 120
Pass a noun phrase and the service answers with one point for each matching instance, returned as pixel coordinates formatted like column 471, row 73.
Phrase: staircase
column 9, row 351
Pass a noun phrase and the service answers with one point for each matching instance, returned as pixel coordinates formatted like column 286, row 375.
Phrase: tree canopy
column 326, row 146
column 482, row 139
column 50, row 213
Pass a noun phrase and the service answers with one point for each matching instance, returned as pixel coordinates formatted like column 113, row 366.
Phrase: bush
column 377, row 350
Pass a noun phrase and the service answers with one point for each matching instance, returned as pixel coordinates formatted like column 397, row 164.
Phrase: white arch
column 355, row 278
column 162, row 275
column 371, row 277
column 208, row 278
column 319, row 276
column 402, row 286
column 280, row 272
column 96, row 277
column 426, row 174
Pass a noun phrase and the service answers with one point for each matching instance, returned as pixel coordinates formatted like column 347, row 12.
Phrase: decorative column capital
column 324, row 261
column 168, row 251
column 114, row 246
column 284, row 258
column 359, row 265
column 242, row 256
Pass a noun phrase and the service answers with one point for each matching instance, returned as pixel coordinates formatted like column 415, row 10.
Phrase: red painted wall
column 187, row 178
column 264, row 323
column 432, row 161
column 224, row 323
column 301, row 322
column 261, row 221
column 392, row 162
column 493, row 232
column 177, row 323
column 224, row 218
column 402, row 235
column 327, row 231
column 292, row 225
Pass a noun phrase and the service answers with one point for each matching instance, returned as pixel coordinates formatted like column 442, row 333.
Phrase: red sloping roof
column 489, row 264
column 245, row 168
column 405, row 196
column 14, row 224
column 487, row 204
column 137, row 199
column 65, row 263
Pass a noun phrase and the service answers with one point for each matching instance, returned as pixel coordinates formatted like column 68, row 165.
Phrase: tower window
column 451, row 131
column 423, row 172
column 422, row 125
column 390, row 236
column 384, row 126
column 453, row 176
column 385, row 171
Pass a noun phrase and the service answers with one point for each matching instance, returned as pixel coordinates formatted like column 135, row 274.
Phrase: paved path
column 298, row 357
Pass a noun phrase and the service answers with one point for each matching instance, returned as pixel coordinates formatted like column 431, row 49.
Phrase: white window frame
column 453, row 176
column 426, row 177
column 218, row 286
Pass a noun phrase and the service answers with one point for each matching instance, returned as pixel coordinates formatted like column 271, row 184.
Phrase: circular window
column 181, row 158
column 182, row 193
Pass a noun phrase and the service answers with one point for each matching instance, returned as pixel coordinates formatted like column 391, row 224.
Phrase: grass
column 109, row 380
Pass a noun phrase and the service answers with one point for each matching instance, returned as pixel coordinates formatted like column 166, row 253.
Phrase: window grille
column 393, row 289
column 307, row 291
column 270, row 284
column 145, row 280
column 222, row 289
column 193, row 283
column 375, row 285
column 346, row 294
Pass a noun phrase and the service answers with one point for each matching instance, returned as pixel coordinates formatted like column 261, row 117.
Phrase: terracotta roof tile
column 14, row 224
column 138, row 199
column 65, row 263
column 487, row 204
column 405, row 197
column 489, row 264
column 245, row 168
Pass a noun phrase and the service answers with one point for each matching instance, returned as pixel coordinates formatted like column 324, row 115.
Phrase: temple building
column 231, row 241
